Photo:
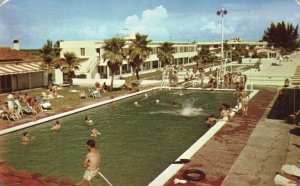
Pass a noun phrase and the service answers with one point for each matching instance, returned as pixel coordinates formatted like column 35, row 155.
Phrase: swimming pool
column 137, row 143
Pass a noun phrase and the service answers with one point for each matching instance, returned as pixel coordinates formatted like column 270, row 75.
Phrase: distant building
column 19, row 70
column 93, row 66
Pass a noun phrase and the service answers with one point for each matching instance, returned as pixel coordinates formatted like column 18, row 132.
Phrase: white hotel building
column 95, row 68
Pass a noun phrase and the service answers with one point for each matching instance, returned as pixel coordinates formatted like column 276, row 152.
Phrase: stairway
column 296, row 77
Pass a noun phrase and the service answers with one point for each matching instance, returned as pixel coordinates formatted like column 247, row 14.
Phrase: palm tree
column 138, row 52
column 68, row 64
column 165, row 53
column 197, row 58
column 282, row 35
column 205, row 55
column 239, row 53
column 114, row 54
column 49, row 54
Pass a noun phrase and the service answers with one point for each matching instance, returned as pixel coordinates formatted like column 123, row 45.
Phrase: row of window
column 155, row 50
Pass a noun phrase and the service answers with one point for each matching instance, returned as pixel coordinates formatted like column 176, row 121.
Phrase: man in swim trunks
column 91, row 162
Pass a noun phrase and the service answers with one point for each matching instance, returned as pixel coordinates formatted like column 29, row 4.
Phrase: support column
column 121, row 69
column 108, row 73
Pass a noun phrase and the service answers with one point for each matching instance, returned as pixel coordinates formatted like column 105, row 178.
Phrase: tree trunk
column 70, row 77
column 112, row 81
column 137, row 73
column 50, row 75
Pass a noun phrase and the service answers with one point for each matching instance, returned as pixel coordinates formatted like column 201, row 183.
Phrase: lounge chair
column 26, row 109
column 8, row 116
column 94, row 93
column 283, row 181
column 45, row 104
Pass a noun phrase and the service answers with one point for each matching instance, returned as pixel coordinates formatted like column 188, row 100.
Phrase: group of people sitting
column 17, row 104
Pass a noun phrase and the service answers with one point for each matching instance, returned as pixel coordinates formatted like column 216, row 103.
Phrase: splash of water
column 189, row 110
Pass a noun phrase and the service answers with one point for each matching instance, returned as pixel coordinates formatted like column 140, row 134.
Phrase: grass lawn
column 70, row 100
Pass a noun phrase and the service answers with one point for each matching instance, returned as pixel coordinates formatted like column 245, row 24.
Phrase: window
column 98, row 54
column 82, row 51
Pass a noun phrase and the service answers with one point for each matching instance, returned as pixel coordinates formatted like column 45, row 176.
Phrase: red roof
column 8, row 54
column 18, row 62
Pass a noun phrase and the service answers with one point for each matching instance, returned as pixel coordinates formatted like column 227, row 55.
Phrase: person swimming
column 137, row 104
column 94, row 133
column 26, row 138
column 211, row 120
column 88, row 121
column 175, row 105
column 56, row 126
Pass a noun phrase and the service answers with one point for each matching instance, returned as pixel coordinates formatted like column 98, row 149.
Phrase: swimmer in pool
column 56, row 126
column 137, row 104
column 88, row 121
column 94, row 133
column 26, row 138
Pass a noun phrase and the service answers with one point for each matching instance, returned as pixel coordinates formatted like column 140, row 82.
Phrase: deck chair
column 26, row 109
column 45, row 104
column 9, row 117
column 94, row 93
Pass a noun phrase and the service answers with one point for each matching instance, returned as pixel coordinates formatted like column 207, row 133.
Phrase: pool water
column 136, row 143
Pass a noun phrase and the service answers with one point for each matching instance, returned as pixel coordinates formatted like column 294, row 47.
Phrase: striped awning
column 19, row 68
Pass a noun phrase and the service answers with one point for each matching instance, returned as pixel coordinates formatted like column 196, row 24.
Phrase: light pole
column 221, row 13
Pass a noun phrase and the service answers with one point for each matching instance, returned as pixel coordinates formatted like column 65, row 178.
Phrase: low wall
column 91, row 82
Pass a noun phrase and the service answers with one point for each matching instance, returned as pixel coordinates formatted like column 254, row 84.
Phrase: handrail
column 93, row 64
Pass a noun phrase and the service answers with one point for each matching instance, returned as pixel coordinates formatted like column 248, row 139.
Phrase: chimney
column 16, row 44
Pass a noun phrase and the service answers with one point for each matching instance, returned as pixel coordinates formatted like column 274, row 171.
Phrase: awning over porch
column 19, row 68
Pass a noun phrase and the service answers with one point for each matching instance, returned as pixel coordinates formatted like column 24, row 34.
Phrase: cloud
column 93, row 32
column 215, row 28
column 149, row 23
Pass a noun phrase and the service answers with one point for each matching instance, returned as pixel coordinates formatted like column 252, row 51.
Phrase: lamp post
column 222, row 13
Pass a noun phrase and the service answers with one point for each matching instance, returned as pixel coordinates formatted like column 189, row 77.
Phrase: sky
column 32, row 22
